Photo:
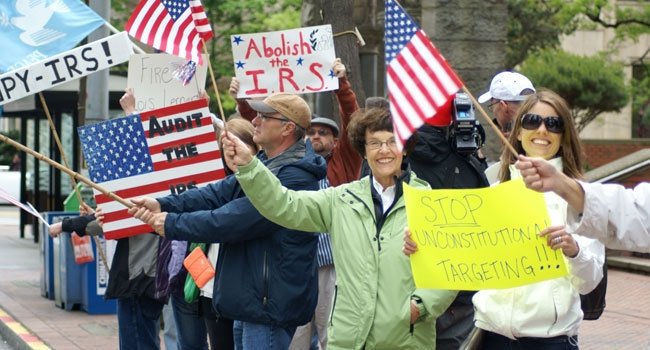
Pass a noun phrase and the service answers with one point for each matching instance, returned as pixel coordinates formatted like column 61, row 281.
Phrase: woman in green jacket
column 376, row 304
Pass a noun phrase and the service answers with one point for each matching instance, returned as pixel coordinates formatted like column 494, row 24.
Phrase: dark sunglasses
column 321, row 132
column 533, row 121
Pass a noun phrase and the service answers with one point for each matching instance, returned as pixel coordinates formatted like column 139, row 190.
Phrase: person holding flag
column 376, row 304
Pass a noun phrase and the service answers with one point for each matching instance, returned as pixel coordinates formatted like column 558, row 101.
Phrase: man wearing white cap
column 507, row 91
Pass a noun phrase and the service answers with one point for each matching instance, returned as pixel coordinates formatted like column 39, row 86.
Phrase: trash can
column 46, row 251
column 67, row 273
column 94, row 280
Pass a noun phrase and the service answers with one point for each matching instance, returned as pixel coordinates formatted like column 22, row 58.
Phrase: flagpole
column 214, row 85
column 74, row 174
column 114, row 30
column 67, row 165
column 491, row 123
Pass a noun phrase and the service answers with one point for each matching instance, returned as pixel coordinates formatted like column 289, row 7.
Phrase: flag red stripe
column 203, row 157
column 162, row 185
column 139, row 27
column 167, row 33
column 441, row 60
column 150, row 36
column 205, row 120
column 407, row 95
column 428, row 71
column 197, row 140
column 400, row 116
column 414, row 74
column 175, row 109
column 407, row 90
column 128, row 231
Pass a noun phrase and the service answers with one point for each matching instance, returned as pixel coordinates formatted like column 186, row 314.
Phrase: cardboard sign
column 151, row 76
column 486, row 238
column 293, row 61
column 69, row 65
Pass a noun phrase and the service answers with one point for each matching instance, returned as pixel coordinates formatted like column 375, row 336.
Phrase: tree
column 7, row 151
column 591, row 85
column 534, row 25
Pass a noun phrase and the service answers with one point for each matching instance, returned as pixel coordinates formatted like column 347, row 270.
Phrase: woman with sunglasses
column 543, row 315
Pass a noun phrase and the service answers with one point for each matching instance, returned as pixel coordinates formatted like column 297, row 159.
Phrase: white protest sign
column 66, row 66
column 151, row 76
column 293, row 61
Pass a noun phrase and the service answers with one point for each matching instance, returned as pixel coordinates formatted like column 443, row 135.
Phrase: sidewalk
column 30, row 321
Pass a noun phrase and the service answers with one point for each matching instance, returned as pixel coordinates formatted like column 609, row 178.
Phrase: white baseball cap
column 507, row 86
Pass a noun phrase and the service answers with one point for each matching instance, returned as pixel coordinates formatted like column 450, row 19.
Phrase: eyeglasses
column 265, row 117
column 490, row 107
column 320, row 132
column 533, row 121
column 376, row 144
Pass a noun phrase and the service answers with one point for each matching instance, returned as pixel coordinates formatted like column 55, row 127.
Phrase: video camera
column 465, row 135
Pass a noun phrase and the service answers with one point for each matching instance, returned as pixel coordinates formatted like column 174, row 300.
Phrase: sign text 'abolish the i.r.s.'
column 293, row 61
column 474, row 239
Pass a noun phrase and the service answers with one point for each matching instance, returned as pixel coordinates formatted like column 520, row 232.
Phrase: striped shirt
column 324, row 255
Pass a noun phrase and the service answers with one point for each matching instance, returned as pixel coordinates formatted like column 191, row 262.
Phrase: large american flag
column 153, row 153
column 419, row 79
column 173, row 26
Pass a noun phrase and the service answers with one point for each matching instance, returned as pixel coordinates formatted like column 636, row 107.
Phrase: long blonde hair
column 570, row 147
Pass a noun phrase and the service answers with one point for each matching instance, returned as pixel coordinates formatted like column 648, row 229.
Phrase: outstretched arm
column 541, row 176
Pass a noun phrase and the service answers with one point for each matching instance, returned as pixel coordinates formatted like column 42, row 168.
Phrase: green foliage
column 591, row 85
column 534, row 25
column 6, row 151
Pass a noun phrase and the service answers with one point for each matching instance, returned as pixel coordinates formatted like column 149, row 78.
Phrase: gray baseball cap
column 327, row 122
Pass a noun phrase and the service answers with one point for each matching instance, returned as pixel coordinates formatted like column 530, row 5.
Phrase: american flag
column 419, row 79
column 173, row 26
column 153, row 154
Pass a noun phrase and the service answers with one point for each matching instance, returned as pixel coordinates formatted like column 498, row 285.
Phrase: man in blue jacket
column 266, row 275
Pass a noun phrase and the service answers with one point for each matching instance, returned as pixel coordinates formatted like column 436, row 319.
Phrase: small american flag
column 154, row 153
column 419, row 79
column 173, row 26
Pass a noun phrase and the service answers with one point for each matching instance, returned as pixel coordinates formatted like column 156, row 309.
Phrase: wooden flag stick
column 490, row 122
column 72, row 173
column 214, row 84
column 72, row 180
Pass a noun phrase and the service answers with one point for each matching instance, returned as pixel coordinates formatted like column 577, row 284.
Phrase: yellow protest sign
column 483, row 238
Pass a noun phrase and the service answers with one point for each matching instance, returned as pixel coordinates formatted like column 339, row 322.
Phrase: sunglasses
column 533, row 121
column 320, row 132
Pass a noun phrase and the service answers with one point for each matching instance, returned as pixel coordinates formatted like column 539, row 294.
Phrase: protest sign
column 154, row 153
column 151, row 76
column 484, row 238
column 293, row 61
column 69, row 65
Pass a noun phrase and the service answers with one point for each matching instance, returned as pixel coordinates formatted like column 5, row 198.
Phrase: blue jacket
column 265, row 273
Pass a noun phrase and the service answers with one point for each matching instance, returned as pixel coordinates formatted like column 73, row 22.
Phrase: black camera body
column 465, row 135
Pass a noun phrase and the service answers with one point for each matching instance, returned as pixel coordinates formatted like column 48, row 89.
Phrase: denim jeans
column 190, row 327
column 138, row 322
column 254, row 336
column 169, row 329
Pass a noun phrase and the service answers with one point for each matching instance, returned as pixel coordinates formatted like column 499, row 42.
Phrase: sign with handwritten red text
column 295, row 61
column 484, row 238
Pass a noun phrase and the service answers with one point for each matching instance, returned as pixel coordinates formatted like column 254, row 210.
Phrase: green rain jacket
column 371, row 306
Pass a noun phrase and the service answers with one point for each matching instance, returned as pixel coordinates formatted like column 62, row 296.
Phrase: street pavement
column 30, row 321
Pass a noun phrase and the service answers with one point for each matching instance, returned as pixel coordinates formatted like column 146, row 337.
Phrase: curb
column 629, row 264
column 17, row 335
